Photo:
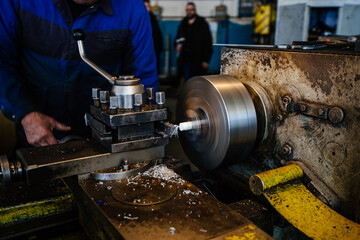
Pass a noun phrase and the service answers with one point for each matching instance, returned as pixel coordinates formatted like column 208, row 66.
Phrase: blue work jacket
column 40, row 66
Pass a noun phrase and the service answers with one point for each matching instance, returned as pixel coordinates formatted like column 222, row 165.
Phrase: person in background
column 156, row 34
column 193, row 43
column 45, row 86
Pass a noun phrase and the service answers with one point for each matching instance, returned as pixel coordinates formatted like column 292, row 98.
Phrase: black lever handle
column 78, row 34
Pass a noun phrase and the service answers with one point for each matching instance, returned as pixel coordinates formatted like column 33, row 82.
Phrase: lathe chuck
column 223, row 121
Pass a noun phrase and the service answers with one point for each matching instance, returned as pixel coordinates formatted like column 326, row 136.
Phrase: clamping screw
column 286, row 99
column 286, row 149
column 125, row 165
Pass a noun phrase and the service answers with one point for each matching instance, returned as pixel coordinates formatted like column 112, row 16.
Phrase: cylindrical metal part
column 126, row 101
column 160, row 99
column 96, row 96
column 125, row 165
column 104, row 100
column 150, row 95
column 114, row 104
column 263, row 181
column 229, row 131
column 190, row 125
column 138, row 101
column 5, row 170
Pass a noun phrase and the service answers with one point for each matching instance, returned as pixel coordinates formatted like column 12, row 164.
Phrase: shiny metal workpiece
column 224, row 108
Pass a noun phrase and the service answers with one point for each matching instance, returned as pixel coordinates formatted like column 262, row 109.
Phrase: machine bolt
column 286, row 150
column 320, row 112
column 279, row 117
column 286, row 99
column 160, row 99
column 104, row 100
column 125, row 165
column 138, row 102
column 172, row 230
column 114, row 104
column 96, row 96
column 336, row 115
column 150, row 95
column 303, row 107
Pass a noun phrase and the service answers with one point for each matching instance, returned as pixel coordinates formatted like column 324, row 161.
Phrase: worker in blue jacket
column 44, row 84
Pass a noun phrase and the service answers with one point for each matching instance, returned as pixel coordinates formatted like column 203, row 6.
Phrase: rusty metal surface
column 330, row 150
column 181, row 211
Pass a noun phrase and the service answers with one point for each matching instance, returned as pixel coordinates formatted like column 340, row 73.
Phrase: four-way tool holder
column 126, row 121
column 121, row 119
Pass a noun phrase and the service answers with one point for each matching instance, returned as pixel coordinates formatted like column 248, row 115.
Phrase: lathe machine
column 285, row 120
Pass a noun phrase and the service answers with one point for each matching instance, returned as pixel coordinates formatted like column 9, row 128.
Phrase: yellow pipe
column 300, row 207
column 263, row 181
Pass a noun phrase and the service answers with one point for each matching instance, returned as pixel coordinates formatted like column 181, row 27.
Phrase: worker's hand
column 205, row 65
column 38, row 129
column 178, row 48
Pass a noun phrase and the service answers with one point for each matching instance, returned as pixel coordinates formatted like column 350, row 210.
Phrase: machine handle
column 79, row 36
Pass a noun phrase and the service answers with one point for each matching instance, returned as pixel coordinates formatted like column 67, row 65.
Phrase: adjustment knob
column 78, row 34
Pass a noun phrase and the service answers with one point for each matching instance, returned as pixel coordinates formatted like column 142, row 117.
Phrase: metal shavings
column 160, row 172
column 131, row 218
column 175, row 131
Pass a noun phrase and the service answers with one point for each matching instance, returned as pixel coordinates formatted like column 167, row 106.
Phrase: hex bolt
column 104, row 100
column 303, row 107
column 114, row 104
column 286, row 149
column 320, row 112
column 279, row 117
column 96, row 96
column 160, row 99
column 125, row 165
column 150, row 95
column 138, row 102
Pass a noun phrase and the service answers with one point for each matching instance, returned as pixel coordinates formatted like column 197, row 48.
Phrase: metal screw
column 104, row 99
column 286, row 99
column 150, row 95
column 286, row 149
column 160, row 99
column 96, row 95
column 303, row 108
column 279, row 117
column 125, row 165
column 114, row 104
column 138, row 102
column 172, row 230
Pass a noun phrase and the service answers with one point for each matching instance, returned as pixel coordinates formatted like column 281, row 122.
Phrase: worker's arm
column 139, row 57
column 14, row 99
